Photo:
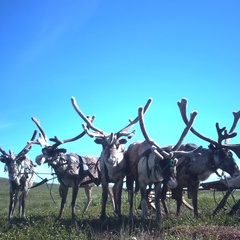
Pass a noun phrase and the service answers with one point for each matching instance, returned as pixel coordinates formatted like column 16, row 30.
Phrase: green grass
column 43, row 206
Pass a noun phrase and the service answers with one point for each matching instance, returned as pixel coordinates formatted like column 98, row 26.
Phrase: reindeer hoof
column 103, row 217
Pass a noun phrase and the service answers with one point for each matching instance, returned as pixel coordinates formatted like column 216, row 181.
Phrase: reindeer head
column 113, row 143
column 13, row 162
column 112, row 148
column 220, row 153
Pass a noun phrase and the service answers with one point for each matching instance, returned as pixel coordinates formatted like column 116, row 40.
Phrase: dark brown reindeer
column 21, row 175
column 217, row 156
column 148, row 164
column 71, row 169
column 112, row 161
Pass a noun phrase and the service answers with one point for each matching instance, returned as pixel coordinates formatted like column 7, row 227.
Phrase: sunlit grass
column 43, row 207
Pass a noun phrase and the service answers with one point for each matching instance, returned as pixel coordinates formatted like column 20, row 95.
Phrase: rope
column 45, row 180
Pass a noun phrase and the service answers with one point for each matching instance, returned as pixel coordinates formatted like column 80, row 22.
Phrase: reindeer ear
column 98, row 140
column 211, row 147
column 20, row 159
column 62, row 150
column 3, row 159
column 123, row 141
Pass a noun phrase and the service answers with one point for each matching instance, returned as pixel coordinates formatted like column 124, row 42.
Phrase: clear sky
column 112, row 56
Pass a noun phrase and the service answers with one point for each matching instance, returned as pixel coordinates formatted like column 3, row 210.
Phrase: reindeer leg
column 163, row 194
column 22, row 203
column 63, row 191
column 177, row 194
column 74, row 197
column 130, row 196
column 88, row 192
column 103, row 215
column 110, row 194
column 119, row 198
column 157, row 200
column 73, row 204
column 114, row 191
column 194, row 193
column 13, row 202
column 143, row 200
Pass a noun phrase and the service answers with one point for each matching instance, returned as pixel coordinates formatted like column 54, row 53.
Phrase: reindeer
column 148, row 164
column 71, row 169
column 112, row 161
column 21, row 175
column 208, row 160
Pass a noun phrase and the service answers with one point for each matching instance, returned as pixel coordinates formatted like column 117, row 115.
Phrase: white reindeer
column 21, row 175
column 112, row 161
column 148, row 164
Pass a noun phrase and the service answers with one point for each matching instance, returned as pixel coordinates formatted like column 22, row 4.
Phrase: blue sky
column 112, row 56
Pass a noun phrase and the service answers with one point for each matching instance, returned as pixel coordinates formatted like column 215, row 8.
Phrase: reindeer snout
column 12, row 176
column 112, row 160
column 172, row 183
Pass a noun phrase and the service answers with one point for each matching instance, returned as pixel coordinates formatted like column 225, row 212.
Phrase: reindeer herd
column 144, row 164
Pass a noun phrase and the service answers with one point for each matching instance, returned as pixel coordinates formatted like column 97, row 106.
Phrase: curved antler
column 99, row 132
column 185, row 131
column 222, row 133
column 152, row 142
column 236, row 116
column 123, row 132
column 3, row 152
column 159, row 151
column 27, row 148
column 23, row 152
column 43, row 139
column 234, row 147
column 183, row 109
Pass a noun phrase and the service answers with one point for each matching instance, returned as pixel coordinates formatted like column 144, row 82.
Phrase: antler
column 185, row 131
column 23, row 152
column 59, row 142
column 236, row 116
column 27, row 148
column 234, row 147
column 98, row 132
column 159, row 151
column 123, row 132
column 223, row 134
column 43, row 139
column 152, row 142
column 3, row 152
column 183, row 109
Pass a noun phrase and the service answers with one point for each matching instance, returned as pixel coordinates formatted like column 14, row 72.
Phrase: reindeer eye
column 223, row 153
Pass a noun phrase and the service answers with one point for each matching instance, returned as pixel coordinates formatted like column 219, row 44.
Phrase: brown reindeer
column 148, row 163
column 217, row 156
column 21, row 175
column 112, row 161
column 71, row 169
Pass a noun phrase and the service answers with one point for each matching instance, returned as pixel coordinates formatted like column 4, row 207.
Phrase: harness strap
column 214, row 168
column 146, row 155
column 40, row 183
column 87, row 172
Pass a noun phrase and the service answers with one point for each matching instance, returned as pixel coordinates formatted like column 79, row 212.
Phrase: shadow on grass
column 112, row 226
